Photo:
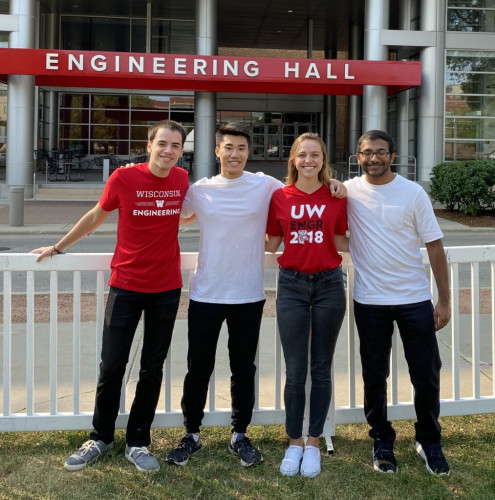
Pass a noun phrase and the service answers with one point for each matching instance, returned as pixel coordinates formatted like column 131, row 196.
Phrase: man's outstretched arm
column 86, row 224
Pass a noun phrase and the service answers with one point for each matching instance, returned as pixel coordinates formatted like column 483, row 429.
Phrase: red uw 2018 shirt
column 147, row 253
column 307, row 223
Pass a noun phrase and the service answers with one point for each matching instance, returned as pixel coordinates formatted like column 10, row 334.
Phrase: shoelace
column 142, row 450
column 384, row 450
column 244, row 444
column 86, row 447
column 187, row 442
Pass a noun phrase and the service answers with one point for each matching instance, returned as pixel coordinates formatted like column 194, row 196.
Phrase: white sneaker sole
column 422, row 454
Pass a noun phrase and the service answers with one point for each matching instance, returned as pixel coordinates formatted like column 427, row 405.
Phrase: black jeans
column 417, row 331
column 122, row 315
column 309, row 303
column 205, row 322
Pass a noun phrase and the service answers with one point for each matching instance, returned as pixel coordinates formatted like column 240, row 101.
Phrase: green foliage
column 464, row 186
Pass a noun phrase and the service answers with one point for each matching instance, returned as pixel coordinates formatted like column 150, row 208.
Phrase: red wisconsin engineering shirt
column 147, row 253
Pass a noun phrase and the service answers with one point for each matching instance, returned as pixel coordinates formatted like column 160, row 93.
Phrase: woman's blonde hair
column 324, row 175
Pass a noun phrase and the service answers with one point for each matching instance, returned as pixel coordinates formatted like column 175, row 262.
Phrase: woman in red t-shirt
column 311, row 294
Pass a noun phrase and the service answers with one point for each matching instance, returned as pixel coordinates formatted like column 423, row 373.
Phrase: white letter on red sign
column 51, row 61
column 180, row 66
column 312, row 71
column 329, row 72
column 347, row 76
column 74, row 62
column 294, row 70
column 251, row 68
column 134, row 63
column 199, row 67
column 159, row 65
column 98, row 63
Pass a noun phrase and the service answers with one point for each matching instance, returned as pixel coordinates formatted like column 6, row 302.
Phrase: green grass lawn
column 31, row 467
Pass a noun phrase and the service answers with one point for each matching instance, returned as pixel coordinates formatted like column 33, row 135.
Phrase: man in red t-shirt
column 145, row 278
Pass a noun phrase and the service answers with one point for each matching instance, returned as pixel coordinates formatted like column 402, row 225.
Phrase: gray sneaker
column 142, row 458
column 88, row 452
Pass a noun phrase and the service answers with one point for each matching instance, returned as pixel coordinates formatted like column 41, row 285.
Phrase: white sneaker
column 292, row 461
column 311, row 462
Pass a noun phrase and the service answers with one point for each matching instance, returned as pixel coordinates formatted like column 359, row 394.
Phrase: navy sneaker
column 186, row 447
column 434, row 458
column 248, row 453
column 383, row 457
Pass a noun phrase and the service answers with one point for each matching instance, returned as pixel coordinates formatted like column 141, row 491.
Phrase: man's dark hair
column 372, row 135
column 232, row 129
column 171, row 125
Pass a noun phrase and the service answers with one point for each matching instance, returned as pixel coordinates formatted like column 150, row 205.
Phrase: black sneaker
column 434, row 458
column 248, row 454
column 383, row 457
column 186, row 447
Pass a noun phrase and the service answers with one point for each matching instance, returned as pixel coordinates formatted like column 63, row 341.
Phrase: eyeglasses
column 382, row 153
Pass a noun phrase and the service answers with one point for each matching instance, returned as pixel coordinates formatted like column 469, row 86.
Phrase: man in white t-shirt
column 228, row 285
column 389, row 217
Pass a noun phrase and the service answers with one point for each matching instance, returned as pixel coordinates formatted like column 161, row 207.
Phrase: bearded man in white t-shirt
column 389, row 216
column 228, row 285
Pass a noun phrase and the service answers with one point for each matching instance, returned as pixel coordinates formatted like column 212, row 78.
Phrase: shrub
column 464, row 186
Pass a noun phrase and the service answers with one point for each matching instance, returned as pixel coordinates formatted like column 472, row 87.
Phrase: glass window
column 469, row 150
column 469, row 105
column 471, row 16
column 95, row 33
column 138, row 35
column 172, row 37
column 113, row 124
column 461, row 60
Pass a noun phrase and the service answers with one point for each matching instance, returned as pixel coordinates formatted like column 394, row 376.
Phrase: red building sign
column 62, row 68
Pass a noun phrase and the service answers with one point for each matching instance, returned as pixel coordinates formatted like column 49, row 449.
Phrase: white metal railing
column 49, row 369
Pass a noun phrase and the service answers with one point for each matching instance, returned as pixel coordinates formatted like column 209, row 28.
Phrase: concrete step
column 68, row 193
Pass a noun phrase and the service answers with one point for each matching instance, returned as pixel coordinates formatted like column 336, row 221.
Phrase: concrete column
column 355, row 108
column 330, row 118
column 20, row 125
column 310, row 39
column 402, row 139
column 374, row 96
column 431, row 100
column 16, row 201
column 53, row 21
column 205, row 103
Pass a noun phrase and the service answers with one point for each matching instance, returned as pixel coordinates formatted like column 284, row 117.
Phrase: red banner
column 63, row 68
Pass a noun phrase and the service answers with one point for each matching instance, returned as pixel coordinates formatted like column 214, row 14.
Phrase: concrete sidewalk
column 58, row 217
column 266, row 369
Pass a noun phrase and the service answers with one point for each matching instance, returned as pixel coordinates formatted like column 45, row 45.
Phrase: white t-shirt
column 388, row 224
column 232, row 216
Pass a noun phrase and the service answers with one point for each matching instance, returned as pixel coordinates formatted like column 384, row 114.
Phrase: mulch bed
column 88, row 306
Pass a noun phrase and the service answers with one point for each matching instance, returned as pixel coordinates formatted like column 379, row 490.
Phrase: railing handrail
column 477, row 398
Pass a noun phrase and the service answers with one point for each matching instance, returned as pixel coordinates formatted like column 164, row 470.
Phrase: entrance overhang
column 118, row 70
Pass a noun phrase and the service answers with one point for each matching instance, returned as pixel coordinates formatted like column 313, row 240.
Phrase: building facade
column 217, row 47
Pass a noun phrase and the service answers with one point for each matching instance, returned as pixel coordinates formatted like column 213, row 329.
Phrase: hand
column 441, row 315
column 337, row 189
column 127, row 165
column 45, row 252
